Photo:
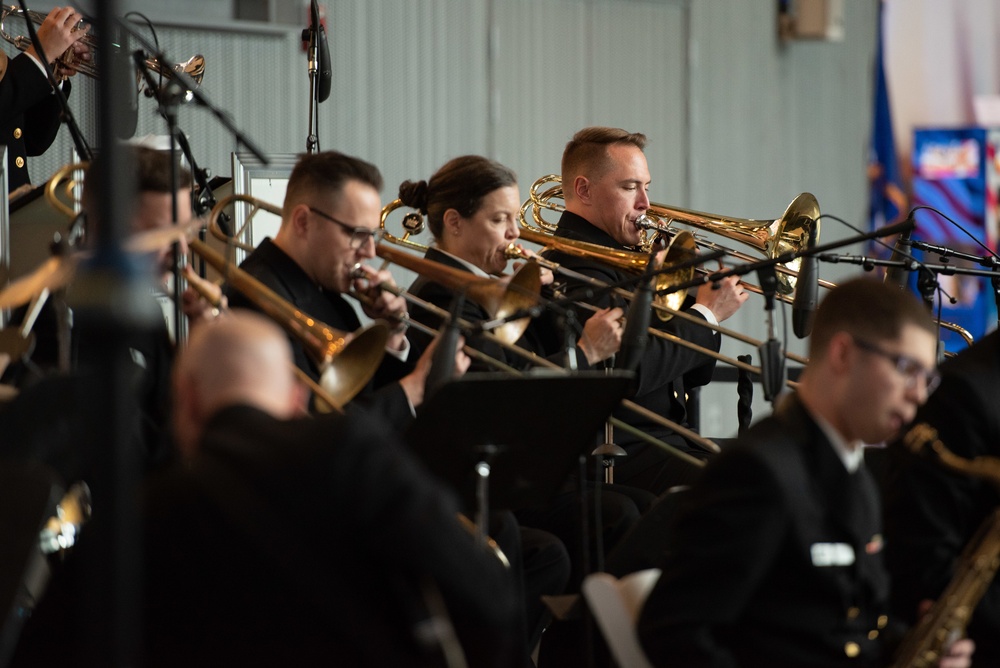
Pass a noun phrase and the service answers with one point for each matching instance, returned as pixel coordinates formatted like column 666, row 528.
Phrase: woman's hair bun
column 414, row 195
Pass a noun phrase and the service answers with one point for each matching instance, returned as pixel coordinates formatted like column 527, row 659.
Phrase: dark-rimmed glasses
column 907, row 367
column 359, row 235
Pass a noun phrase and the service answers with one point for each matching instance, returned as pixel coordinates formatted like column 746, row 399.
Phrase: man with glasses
column 329, row 223
column 776, row 558
column 931, row 513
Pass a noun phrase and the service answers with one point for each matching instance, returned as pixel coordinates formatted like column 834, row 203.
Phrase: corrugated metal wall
column 738, row 123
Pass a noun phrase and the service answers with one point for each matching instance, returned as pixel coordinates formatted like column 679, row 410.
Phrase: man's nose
column 917, row 391
column 367, row 249
column 642, row 203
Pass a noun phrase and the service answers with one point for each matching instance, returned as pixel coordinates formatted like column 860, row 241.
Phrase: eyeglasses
column 359, row 235
column 907, row 367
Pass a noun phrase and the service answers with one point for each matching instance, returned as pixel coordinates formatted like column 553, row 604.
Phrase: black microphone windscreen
column 804, row 302
column 806, row 289
column 325, row 68
column 899, row 276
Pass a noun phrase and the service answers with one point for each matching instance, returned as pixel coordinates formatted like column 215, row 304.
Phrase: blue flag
column 886, row 201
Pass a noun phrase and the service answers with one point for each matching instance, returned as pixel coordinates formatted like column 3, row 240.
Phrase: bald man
column 251, row 560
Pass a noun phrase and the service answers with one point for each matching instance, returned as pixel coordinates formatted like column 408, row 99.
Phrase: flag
column 887, row 202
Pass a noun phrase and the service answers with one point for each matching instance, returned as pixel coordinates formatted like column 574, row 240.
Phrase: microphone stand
column 772, row 357
column 989, row 261
column 784, row 258
column 169, row 98
column 82, row 149
column 320, row 74
column 312, row 35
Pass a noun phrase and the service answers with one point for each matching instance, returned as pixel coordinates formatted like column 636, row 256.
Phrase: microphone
column 637, row 322
column 323, row 67
column 806, row 289
column 443, row 361
column 899, row 276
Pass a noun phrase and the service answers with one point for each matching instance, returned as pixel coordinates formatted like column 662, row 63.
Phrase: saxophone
column 945, row 622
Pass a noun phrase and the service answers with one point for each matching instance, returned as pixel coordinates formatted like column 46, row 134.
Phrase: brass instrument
column 789, row 233
column 498, row 299
column 194, row 67
column 458, row 279
column 64, row 189
column 682, row 246
column 345, row 366
column 256, row 205
column 948, row 617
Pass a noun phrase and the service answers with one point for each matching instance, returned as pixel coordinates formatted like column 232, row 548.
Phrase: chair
column 616, row 605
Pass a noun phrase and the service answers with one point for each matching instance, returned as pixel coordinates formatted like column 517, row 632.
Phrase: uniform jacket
column 29, row 114
column 439, row 295
column 666, row 369
column 775, row 560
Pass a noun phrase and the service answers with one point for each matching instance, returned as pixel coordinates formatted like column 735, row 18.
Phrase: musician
column 29, row 110
column 150, row 348
column 605, row 182
column 472, row 205
column 776, row 558
column 931, row 514
column 329, row 221
column 244, row 566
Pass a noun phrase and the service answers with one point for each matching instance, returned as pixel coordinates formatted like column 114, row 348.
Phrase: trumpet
column 194, row 66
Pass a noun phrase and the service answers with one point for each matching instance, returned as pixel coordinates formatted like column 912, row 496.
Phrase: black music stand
column 515, row 439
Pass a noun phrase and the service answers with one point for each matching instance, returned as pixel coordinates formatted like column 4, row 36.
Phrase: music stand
column 515, row 438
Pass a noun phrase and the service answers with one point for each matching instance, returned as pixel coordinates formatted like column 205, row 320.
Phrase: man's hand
column 413, row 383
column 957, row 654
column 725, row 300
column 381, row 304
column 202, row 300
column 58, row 33
column 602, row 335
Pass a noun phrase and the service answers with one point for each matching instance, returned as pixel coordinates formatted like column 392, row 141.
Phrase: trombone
column 790, row 232
column 345, row 365
column 417, row 264
column 629, row 262
column 431, row 269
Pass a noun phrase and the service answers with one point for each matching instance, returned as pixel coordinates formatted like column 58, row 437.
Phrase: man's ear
column 299, row 220
column 451, row 220
column 840, row 351
column 581, row 189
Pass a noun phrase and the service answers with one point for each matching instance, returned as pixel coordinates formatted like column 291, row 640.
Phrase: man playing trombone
column 605, row 181
column 329, row 222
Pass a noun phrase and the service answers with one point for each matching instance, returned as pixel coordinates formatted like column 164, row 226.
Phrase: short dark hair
column 587, row 152
column 152, row 170
column 460, row 184
column 868, row 309
column 327, row 172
